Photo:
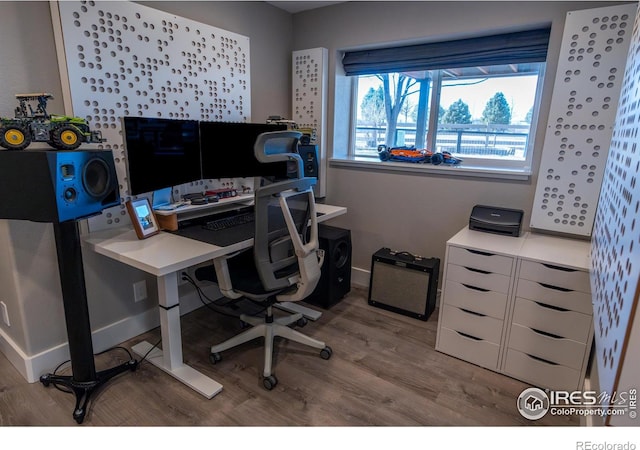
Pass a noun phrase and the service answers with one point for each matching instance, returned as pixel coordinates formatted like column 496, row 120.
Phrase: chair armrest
column 224, row 279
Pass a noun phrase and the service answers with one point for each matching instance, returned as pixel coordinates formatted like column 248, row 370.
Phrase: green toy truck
column 29, row 125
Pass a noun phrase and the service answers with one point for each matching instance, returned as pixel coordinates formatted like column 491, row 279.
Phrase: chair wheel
column 44, row 379
column 326, row 352
column 301, row 322
column 215, row 358
column 269, row 382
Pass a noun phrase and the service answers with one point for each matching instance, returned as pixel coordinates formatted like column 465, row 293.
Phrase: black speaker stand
column 85, row 380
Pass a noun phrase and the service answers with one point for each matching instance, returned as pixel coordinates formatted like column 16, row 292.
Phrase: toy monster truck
column 60, row 132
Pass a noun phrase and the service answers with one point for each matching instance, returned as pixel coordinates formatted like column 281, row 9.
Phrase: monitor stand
column 85, row 380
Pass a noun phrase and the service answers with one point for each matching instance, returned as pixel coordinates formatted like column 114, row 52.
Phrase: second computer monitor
column 227, row 151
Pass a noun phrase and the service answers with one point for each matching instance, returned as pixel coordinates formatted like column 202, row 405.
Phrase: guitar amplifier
column 404, row 283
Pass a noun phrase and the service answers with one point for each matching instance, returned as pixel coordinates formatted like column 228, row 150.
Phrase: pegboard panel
column 615, row 256
column 125, row 59
column 309, row 85
column 583, row 108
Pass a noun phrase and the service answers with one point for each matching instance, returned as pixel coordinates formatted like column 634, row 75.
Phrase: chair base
column 269, row 327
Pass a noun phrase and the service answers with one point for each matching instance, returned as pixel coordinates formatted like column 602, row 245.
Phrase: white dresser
column 519, row 306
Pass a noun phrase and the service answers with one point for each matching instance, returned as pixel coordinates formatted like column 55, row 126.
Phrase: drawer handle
column 468, row 336
column 478, row 252
column 546, row 361
column 484, row 272
column 564, row 269
column 468, row 286
column 472, row 312
column 555, row 308
column 547, row 334
column 555, row 288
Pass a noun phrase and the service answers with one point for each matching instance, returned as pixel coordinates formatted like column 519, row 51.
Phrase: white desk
column 165, row 255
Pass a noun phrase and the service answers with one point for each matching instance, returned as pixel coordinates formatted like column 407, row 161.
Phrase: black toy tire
column 437, row 159
column 301, row 322
column 269, row 382
column 14, row 137
column 65, row 137
column 384, row 155
column 326, row 353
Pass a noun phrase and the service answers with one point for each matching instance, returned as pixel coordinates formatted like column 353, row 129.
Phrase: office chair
column 284, row 265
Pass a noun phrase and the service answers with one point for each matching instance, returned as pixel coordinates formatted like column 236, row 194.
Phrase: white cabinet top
column 574, row 253
column 488, row 242
column 568, row 252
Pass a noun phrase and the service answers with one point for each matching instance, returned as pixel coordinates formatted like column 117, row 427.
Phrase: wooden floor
column 384, row 371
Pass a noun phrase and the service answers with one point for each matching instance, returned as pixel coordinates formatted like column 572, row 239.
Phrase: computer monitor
column 227, row 151
column 161, row 153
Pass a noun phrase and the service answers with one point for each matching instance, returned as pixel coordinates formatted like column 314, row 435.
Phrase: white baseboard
column 360, row 277
column 32, row 367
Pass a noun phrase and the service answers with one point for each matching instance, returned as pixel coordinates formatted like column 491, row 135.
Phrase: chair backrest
column 279, row 146
column 286, row 248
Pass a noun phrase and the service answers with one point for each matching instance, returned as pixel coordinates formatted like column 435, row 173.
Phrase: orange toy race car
column 411, row 154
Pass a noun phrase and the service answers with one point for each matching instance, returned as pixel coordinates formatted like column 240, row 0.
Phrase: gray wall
column 28, row 268
column 419, row 212
column 28, row 265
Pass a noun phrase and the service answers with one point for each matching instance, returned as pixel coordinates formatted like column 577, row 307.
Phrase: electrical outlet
column 139, row 291
column 5, row 314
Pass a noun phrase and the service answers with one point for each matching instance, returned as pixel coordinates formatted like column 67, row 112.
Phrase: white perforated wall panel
column 615, row 275
column 125, row 59
column 583, row 108
column 309, row 85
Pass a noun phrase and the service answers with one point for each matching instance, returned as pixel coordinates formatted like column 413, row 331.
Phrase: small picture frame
column 142, row 218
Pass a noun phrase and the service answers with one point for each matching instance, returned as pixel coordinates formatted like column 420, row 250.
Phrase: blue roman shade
column 508, row 48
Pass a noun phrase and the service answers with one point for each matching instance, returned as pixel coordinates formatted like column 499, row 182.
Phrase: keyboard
column 229, row 222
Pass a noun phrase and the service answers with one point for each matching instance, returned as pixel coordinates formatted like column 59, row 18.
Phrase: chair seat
column 243, row 273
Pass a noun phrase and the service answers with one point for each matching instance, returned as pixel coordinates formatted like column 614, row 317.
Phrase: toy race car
column 411, row 154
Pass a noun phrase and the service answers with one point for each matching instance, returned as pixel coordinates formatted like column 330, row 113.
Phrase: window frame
column 483, row 167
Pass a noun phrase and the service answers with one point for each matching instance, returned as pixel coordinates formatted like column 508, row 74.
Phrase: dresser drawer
column 573, row 279
column 540, row 373
column 480, row 260
column 474, row 324
column 566, row 324
column 475, row 350
column 556, row 296
column 478, row 300
column 559, row 350
column 478, row 278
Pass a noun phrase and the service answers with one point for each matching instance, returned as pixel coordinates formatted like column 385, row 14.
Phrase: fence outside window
column 507, row 142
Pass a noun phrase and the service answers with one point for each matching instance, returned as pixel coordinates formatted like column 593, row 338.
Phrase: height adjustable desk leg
column 170, row 358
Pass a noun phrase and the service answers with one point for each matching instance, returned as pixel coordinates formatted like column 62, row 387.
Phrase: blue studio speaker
column 56, row 186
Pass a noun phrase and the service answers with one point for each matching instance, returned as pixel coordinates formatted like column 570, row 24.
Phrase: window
column 483, row 114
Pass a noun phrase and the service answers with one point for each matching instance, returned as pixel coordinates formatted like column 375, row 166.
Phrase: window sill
column 505, row 173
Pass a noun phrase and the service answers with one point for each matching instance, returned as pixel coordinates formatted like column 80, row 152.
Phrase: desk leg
column 169, row 358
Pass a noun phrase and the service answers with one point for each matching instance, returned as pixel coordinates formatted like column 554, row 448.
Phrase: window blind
column 508, row 48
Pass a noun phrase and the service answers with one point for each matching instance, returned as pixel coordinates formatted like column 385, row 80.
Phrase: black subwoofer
column 335, row 281
column 56, row 186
